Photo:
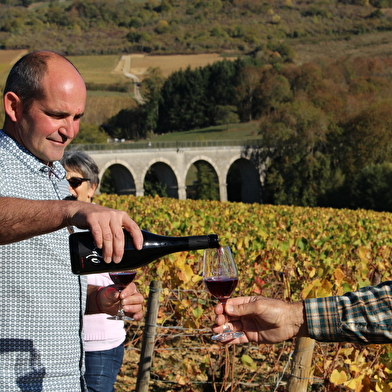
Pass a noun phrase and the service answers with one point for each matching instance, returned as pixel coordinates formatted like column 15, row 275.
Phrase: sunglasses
column 75, row 182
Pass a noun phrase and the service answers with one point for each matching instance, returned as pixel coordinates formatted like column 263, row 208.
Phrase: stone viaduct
column 129, row 164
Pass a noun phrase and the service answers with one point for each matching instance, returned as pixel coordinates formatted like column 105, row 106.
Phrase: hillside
column 83, row 27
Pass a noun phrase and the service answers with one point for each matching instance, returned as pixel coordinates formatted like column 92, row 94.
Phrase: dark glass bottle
column 86, row 258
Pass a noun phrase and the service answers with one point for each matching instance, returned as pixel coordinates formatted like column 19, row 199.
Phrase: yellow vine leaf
column 339, row 275
column 180, row 379
column 197, row 312
column 185, row 272
column 338, row 377
column 248, row 361
column 363, row 253
column 325, row 289
column 277, row 265
column 355, row 384
column 381, row 386
column 262, row 234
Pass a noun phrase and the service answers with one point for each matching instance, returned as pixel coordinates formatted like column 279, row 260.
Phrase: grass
column 99, row 69
column 222, row 132
column 328, row 47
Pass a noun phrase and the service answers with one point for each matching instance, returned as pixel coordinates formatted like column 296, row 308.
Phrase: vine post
column 301, row 365
column 143, row 375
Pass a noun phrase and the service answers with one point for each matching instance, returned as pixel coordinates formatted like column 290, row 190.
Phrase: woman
column 104, row 339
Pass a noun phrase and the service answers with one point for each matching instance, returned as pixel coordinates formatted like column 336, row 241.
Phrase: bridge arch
column 215, row 168
column 165, row 175
column 122, row 174
column 243, row 182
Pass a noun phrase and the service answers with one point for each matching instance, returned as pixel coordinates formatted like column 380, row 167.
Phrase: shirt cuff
column 323, row 319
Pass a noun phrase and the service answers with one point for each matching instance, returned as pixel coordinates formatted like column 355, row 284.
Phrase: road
column 126, row 66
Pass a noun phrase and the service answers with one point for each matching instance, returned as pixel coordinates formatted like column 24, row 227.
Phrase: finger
column 133, row 309
column 117, row 244
column 135, row 299
column 220, row 320
column 136, row 316
column 107, row 248
column 135, row 232
column 129, row 290
column 219, row 309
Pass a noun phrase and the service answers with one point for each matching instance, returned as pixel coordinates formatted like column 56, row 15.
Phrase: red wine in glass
column 220, row 287
column 121, row 280
column 220, row 277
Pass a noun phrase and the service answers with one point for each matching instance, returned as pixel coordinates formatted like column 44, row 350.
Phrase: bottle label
column 94, row 257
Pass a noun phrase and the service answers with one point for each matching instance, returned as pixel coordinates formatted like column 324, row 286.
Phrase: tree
column 273, row 90
column 152, row 186
column 294, row 140
column 372, row 189
column 248, row 82
column 128, row 124
column 367, row 138
column 151, row 87
column 225, row 115
column 183, row 104
column 207, row 187
column 90, row 134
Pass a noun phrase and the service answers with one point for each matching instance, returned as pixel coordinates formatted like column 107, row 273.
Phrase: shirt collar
column 56, row 170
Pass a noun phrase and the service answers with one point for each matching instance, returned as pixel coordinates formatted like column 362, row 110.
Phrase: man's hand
column 106, row 226
column 263, row 320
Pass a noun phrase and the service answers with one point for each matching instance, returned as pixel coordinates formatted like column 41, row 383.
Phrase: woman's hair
column 81, row 162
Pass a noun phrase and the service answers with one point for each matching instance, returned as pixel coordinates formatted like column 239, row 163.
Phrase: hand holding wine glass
column 121, row 280
column 220, row 277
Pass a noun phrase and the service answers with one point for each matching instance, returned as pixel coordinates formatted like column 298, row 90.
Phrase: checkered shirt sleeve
column 363, row 316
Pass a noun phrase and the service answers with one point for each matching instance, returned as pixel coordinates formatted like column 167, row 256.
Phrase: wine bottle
column 86, row 258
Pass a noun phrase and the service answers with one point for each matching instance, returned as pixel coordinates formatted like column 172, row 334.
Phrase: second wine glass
column 121, row 280
column 220, row 277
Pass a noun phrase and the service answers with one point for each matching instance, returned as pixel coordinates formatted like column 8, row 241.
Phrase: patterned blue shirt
column 363, row 316
column 41, row 301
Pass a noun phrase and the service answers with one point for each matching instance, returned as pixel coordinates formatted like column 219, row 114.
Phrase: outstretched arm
column 21, row 219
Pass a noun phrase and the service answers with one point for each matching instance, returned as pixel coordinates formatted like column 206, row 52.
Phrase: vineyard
column 282, row 252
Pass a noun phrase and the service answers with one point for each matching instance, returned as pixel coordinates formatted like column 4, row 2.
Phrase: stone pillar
column 139, row 188
column 181, row 192
column 223, row 192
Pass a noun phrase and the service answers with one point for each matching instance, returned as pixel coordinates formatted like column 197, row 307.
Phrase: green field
column 98, row 69
column 222, row 132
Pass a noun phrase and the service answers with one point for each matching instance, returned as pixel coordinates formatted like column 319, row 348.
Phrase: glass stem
column 226, row 327
column 120, row 311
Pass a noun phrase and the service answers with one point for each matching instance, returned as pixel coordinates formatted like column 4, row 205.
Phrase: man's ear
column 12, row 105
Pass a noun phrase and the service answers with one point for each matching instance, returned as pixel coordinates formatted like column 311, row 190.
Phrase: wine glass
column 220, row 277
column 121, row 280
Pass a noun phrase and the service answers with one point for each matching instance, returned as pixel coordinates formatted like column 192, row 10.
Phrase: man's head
column 44, row 99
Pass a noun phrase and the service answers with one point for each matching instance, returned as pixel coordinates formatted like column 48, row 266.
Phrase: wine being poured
column 220, row 277
column 121, row 280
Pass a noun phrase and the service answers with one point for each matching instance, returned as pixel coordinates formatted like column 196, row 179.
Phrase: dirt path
column 124, row 66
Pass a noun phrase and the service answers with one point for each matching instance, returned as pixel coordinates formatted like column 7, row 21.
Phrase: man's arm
column 21, row 219
column 363, row 316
